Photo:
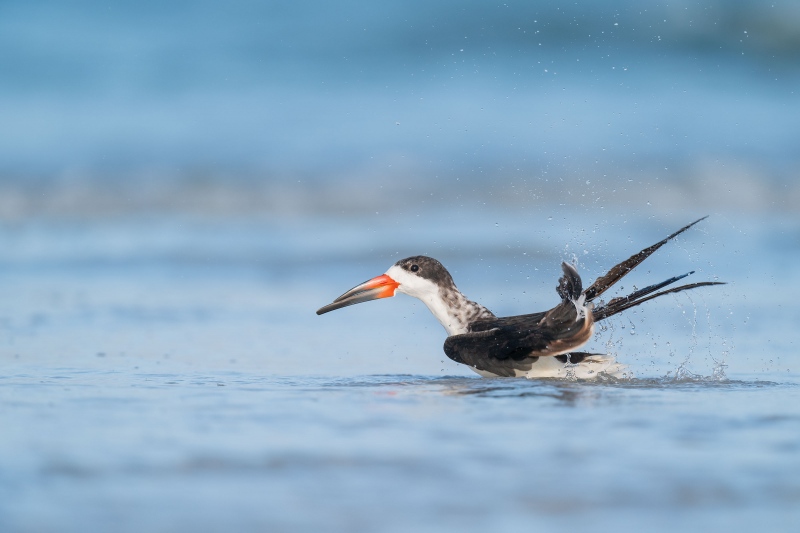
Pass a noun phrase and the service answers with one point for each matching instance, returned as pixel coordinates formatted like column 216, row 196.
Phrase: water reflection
column 567, row 393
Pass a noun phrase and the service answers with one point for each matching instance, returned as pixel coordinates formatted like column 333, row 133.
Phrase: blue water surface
column 182, row 184
column 170, row 374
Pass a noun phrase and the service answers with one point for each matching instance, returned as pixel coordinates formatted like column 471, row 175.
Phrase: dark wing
column 503, row 345
column 492, row 351
column 603, row 283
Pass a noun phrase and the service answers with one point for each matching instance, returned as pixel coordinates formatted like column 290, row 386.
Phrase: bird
column 543, row 344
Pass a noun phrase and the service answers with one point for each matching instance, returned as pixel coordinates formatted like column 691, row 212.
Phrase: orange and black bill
column 381, row 287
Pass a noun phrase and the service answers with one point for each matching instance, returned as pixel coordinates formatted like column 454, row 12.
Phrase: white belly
column 592, row 367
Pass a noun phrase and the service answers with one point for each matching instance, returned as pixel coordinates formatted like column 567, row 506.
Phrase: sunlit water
column 170, row 374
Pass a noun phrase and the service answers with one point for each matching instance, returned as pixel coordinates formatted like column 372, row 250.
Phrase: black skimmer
column 536, row 345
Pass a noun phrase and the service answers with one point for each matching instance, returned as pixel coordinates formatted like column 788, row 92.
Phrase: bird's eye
column 414, row 268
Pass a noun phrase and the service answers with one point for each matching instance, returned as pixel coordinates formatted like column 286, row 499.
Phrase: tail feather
column 617, row 305
column 603, row 283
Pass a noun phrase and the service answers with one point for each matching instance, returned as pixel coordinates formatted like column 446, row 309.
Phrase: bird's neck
column 454, row 310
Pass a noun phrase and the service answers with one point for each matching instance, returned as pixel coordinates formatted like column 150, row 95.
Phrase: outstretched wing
column 603, row 283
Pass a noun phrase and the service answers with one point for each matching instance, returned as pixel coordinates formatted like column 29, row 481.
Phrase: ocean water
column 314, row 106
column 183, row 184
column 170, row 374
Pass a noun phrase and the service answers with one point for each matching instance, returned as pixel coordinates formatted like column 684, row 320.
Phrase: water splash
column 684, row 375
column 718, row 372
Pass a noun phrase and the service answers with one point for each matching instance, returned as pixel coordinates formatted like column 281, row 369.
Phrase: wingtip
column 570, row 285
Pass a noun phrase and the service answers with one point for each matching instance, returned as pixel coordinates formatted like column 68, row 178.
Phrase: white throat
column 453, row 310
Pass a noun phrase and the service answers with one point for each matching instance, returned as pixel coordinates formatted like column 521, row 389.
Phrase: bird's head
column 418, row 276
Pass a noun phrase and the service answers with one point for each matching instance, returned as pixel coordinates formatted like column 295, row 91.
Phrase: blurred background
column 335, row 108
column 223, row 169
